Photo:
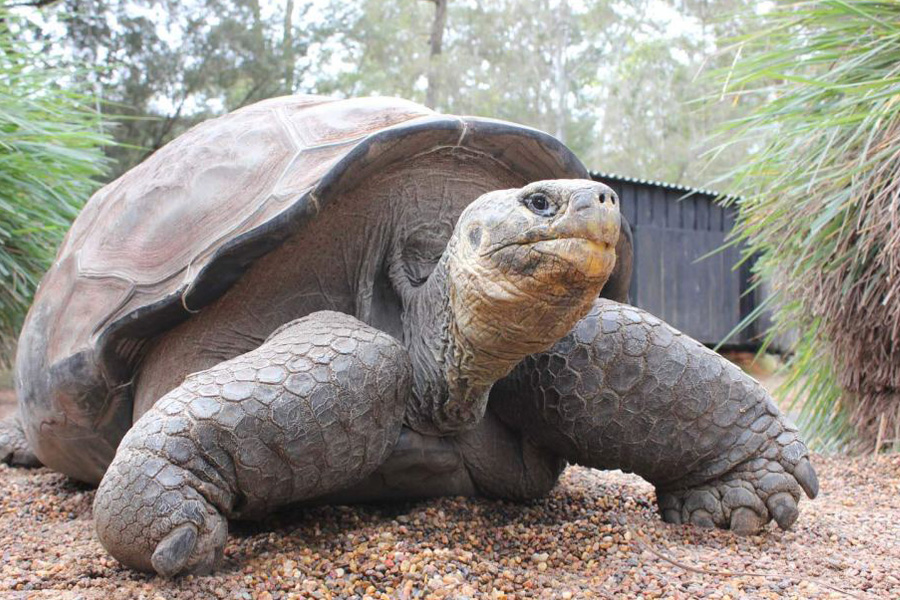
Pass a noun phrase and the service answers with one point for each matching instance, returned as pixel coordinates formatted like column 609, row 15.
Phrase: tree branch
column 33, row 4
column 437, row 41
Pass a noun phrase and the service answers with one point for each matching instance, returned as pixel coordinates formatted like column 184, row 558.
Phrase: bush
column 50, row 157
column 821, row 201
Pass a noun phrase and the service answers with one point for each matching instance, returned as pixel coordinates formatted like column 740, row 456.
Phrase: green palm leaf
column 820, row 201
column 51, row 157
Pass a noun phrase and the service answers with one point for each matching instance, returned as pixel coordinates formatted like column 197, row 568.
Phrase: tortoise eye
column 539, row 204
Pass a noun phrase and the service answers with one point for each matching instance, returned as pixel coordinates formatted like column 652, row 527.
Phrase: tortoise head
column 521, row 268
column 548, row 240
column 524, row 265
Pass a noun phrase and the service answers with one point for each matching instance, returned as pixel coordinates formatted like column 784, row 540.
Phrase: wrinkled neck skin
column 465, row 329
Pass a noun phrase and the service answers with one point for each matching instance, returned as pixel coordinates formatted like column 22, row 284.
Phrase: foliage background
column 51, row 154
column 614, row 79
column 821, row 202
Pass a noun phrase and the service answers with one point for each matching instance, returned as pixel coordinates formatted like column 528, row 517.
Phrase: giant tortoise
column 322, row 300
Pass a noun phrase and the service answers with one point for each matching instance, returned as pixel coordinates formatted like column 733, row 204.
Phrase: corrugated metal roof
column 661, row 184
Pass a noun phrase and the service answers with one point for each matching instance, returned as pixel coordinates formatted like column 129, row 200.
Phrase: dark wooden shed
column 674, row 228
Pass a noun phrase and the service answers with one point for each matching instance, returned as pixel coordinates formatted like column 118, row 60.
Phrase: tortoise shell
column 174, row 233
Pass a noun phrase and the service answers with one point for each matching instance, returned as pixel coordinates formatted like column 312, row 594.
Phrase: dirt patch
column 592, row 537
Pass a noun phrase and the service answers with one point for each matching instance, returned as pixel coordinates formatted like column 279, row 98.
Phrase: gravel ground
column 597, row 535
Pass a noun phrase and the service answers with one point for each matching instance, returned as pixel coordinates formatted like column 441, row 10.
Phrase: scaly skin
column 14, row 449
column 314, row 409
column 626, row 391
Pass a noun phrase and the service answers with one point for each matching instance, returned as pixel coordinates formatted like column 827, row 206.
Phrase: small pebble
column 591, row 537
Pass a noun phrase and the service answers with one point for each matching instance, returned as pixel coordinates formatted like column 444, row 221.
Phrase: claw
column 173, row 552
column 14, row 449
column 670, row 515
column 738, row 497
column 806, row 477
column 150, row 528
column 749, row 497
column 702, row 518
column 701, row 499
column 783, row 509
column 744, row 521
column 669, row 508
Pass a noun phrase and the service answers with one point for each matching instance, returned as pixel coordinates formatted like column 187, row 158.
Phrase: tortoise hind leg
column 490, row 460
column 503, row 463
column 314, row 409
column 14, row 448
column 625, row 391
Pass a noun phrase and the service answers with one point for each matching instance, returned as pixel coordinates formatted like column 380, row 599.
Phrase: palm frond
column 820, row 200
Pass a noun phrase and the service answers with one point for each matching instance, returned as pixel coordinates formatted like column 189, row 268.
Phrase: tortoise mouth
column 556, row 261
column 565, row 245
column 558, row 245
column 593, row 259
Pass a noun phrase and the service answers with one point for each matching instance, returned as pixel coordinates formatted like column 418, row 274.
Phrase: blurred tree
column 655, row 123
column 169, row 65
column 436, row 41
column 505, row 59
column 612, row 79
column 51, row 156
column 615, row 81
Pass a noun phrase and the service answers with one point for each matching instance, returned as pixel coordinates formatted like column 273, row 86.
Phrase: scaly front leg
column 14, row 448
column 626, row 391
column 315, row 409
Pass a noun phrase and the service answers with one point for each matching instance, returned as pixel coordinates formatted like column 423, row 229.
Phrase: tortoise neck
column 465, row 329
column 452, row 377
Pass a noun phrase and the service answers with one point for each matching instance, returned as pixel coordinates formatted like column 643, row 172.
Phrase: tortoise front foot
column 743, row 500
column 313, row 410
column 626, row 391
column 152, row 515
column 14, row 448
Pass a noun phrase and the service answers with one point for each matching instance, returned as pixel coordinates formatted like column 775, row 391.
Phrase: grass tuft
column 51, row 158
column 820, row 202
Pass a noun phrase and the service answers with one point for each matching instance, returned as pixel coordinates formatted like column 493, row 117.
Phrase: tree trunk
column 434, row 59
column 257, row 28
column 288, row 48
column 561, row 76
